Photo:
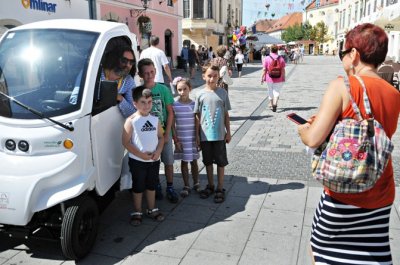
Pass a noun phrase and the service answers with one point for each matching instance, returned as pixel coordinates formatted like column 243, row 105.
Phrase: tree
column 293, row 33
column 319, row 33
column 307, row 29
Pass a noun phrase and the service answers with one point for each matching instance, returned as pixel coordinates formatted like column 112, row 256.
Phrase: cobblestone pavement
column 270, row 200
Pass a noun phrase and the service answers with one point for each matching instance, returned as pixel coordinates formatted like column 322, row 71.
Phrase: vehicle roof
column 75, row 24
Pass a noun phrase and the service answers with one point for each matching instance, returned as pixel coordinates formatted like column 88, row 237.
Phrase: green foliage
column 298, row 32
column 320, row 33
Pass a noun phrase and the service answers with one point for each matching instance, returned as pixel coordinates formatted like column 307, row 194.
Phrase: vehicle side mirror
column 106, row 96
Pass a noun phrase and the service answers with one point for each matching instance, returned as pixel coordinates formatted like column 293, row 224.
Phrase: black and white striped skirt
column 346, row 234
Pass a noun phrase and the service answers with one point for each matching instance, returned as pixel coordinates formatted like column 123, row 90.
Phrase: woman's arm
column 314, row 133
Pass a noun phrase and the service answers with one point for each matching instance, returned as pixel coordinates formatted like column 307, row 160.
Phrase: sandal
column 219, row 196
column 155, row 214
column 185, row 192
column 136, row 218
column 204, row 194
column 196, row 187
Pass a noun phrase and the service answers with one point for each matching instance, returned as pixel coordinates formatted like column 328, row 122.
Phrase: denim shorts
column 167, row 154
column 214, row 152
column 145, row 175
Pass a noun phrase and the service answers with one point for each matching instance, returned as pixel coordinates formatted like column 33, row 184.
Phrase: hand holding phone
column 296, row 118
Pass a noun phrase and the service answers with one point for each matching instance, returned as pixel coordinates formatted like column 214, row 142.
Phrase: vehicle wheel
column 79, row 228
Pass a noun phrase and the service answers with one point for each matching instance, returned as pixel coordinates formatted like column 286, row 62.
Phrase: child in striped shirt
column 184, row 134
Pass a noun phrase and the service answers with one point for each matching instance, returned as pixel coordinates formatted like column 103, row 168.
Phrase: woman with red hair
column 354, row 228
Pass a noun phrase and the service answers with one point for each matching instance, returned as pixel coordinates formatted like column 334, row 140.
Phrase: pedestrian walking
column 192, row 59
column 239, row 60
column 185, row 57
column 274, row 82
column 185, row 135
column 353, row 228
column 144, row 147
column 221, row 61
column 159, row 59
column 211, row 107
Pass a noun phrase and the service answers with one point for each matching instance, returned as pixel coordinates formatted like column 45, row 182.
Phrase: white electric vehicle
column 59, row 160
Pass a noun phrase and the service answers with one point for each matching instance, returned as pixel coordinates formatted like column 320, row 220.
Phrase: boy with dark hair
column 213, row 130
column 143, row 138
column 162, row 108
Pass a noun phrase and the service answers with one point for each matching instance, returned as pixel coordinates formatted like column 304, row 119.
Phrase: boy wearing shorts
column 162, row 108
column 143, row 137
column 213, row 130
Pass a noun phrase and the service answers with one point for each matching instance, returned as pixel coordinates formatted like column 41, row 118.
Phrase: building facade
column 343, row 15
column 145, row 18
column 209, row 22
column 16, row 13
column 327, row 12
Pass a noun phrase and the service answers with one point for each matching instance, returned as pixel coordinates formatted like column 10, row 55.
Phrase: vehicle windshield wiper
column 37, row 113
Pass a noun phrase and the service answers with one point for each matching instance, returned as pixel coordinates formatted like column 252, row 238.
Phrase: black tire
column 79, row 228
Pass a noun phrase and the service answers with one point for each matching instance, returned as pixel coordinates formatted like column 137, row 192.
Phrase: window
column 349, row 18
column 186, row 9
column 170, row 3
column 361, row 9
column 220, row 11
column 344, row 18
column 210, row 9
column 375, row 5
column 356, row 12
column 340, row 20
column 198, row 8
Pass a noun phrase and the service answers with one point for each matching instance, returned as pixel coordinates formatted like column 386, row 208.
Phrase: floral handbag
column 356, row 154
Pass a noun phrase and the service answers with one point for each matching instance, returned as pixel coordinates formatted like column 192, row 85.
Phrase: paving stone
column 195, row 256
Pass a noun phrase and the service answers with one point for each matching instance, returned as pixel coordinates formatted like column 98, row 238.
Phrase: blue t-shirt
column 212, row 106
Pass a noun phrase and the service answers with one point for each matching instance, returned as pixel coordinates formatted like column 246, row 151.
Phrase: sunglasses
column 125, row 60
column 343, row 53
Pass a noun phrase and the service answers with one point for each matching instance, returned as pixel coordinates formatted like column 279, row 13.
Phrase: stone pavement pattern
column 270, row 201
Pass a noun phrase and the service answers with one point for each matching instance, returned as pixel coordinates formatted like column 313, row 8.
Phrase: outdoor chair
column 386, row 72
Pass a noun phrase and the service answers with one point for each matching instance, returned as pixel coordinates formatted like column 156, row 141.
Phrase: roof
column 264, row 24
column 74, row 24
column 287, row 21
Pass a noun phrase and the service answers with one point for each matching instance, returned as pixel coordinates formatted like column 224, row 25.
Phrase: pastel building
column 145, row 18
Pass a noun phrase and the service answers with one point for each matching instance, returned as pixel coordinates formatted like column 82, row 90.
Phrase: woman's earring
column 351, row 67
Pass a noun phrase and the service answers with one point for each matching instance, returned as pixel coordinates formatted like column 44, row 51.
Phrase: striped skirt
column 346, row 234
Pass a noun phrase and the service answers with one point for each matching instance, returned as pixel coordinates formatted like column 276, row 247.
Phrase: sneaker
column 159, row 194
column 172, row 195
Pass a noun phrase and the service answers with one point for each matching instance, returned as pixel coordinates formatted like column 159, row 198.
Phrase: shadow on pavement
column 252, row 118
column 192, row 220
column 295, row 109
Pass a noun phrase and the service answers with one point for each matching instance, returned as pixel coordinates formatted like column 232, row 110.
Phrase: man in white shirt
column 158, row 57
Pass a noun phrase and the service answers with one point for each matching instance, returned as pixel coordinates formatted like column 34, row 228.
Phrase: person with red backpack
column 274, row 75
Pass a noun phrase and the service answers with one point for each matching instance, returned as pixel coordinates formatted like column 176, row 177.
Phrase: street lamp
column 137, row 12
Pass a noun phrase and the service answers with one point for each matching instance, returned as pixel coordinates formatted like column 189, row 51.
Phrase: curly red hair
column 370, row 41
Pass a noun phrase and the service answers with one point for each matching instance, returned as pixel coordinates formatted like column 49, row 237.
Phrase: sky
column 254, row 10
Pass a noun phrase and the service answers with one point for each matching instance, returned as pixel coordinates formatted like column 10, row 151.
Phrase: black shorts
column 239, row 67
column 214, row 152
column 145, row 175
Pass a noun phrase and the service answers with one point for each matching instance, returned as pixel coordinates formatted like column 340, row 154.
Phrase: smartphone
column 296, row 118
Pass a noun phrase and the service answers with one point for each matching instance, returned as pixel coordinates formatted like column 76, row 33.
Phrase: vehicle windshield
column 45, row 70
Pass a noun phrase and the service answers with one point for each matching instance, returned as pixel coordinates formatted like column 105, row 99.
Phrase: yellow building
column 209, row 22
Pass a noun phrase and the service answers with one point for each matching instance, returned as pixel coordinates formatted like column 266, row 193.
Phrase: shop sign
column 39, row 5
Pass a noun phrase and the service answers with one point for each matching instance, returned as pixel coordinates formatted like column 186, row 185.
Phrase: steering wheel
column 52, row 105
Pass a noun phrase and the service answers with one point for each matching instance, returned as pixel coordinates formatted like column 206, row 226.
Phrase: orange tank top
column 385, row 105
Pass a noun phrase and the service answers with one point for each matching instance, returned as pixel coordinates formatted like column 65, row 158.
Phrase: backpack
column 274, row 68
column 357, row 153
